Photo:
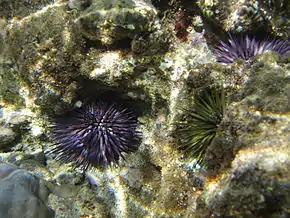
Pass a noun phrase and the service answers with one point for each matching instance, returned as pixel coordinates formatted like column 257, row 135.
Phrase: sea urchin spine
column 199, row 127
column 95, row 135
column 245, row 47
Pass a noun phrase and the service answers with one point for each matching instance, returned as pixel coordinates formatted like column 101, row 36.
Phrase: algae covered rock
column 247, row 16
column 253, row 144
column 257, row 185
column 9, row 9
column 47, row 66
column 110, row 21
column 7, row 137
column 75, row 52
column 268, row 87
column 34, row 55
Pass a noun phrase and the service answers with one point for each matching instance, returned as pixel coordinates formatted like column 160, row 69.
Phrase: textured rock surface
column 248, row 16
column 254, row 186
column 79, row 51
column 20, row 9
column 7, row 137
column 255, row 135
column 22, row 195
column 110, row 21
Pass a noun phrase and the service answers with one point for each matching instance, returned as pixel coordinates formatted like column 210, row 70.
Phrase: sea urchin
column 95, row 135
column 245, row 47
column 199, row 127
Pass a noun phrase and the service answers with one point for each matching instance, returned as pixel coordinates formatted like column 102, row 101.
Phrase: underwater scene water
column 144, row 108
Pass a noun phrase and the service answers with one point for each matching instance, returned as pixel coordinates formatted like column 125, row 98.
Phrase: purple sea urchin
column 95, row 135
column 245, row 47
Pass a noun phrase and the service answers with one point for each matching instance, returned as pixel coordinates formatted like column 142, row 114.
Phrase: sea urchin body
column 95, row 135
column 245, row 47
column 199, row 127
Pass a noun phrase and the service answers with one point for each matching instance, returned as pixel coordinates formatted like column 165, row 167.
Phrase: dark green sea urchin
column 199, row 126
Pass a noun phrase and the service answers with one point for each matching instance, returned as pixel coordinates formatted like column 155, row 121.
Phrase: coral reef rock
column 110, row 21
column 63, row 54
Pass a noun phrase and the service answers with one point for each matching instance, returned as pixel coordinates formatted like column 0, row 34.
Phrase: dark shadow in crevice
column 93, row 91
column 123, row 45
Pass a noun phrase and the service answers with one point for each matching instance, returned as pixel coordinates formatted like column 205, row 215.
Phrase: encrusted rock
column 9, row 9
column 257, row 186
column 254, row 142
column 110, row 21
column 7, row 137
column 76, row 51
column 248, row 16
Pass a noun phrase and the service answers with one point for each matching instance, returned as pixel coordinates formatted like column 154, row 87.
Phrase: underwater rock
column 248, row 16
column 2, row 26
column 252, row 149
column 7, row 137
column 256, row 186
column 20, row 9
column 71, row 51
column 86, row 203
column 259, row 100
column 45, row 53
column 114, row 20
column 48, row 59
column 36, row 167
column 267, row 88
column 22, row 195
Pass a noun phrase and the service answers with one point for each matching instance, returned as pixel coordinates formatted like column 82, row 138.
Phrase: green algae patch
column 10, row 88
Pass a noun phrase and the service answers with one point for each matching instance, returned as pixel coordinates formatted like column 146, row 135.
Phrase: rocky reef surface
column 156, row 56
column 20, row 188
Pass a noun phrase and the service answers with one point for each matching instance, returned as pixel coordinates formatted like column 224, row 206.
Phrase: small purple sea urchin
column 95, row 135
column 245, row 47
